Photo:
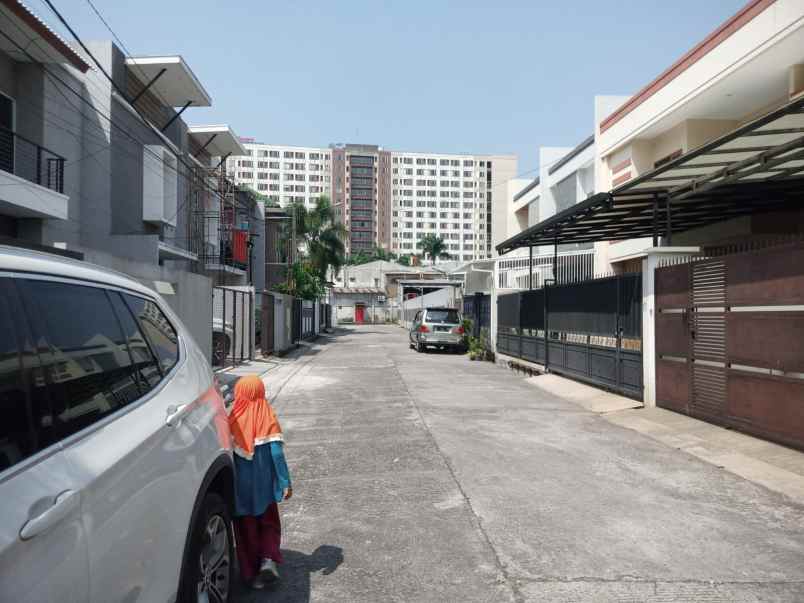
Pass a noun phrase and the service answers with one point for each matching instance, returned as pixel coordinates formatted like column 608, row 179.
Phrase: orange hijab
column 252, row 420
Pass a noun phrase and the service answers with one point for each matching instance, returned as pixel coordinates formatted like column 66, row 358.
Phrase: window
column 274, row 154
column 158, row 330
column 145, row 363
column 16, row 432
column 86, row 358
column 274, row 165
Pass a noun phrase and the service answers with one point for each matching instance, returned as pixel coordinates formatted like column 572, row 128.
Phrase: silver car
column 116, row 471
column 437, row 328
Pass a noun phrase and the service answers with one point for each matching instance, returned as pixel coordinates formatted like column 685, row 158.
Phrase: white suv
column 116, row 471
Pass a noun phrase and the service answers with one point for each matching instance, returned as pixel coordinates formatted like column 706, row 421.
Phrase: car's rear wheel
column 209, row 566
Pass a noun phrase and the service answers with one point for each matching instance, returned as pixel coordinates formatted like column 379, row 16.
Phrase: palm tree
column 321, row 235
column 434, row 247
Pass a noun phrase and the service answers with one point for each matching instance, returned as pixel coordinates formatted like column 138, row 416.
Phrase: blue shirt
column 260, row 481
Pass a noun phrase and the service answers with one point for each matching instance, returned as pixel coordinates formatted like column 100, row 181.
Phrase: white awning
column 218, row 141
column 172, row 80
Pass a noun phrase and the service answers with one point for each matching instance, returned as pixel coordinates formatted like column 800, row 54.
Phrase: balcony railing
column 33, row 162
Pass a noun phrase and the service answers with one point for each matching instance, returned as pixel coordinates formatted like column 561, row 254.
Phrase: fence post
column 223, row 326
column 546, row 328
column 234, row 325
column 618, row 338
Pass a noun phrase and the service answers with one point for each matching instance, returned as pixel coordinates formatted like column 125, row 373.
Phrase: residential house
column 106, row 169
column 700, row 180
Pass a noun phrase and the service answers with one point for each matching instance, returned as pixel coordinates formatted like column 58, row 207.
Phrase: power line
column 52, row 76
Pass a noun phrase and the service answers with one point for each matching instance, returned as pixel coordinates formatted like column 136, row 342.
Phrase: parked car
column 221, row 340
column 116, row 470
column 437, row 328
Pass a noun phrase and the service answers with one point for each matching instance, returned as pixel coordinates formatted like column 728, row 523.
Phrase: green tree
column 434, row 247
column 303, row 281
column 322, row 237
column 364, row 257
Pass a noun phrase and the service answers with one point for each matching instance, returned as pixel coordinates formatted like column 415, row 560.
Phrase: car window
column 158, row 330
column 443, row 316
column 146, row 364
column 17, row 440
column 87, row 364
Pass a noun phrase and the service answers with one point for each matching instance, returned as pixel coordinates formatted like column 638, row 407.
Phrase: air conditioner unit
column 159, row 185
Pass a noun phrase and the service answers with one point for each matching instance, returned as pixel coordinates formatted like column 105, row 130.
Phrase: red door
column 360, row 314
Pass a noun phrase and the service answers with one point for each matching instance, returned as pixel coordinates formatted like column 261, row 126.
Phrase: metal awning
column 218, row 141
column 758, row 167
column 171, row 79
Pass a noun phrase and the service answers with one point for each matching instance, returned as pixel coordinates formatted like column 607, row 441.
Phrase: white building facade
column 451, row 196
column 285, row 174
column 460, row 198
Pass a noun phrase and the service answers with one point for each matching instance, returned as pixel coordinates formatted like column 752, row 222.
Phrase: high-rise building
column 361, row 183
column 459, row 198
column 390, row 199
column 286, row 174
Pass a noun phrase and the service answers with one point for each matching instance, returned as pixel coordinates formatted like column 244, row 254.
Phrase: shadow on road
column 296, row 572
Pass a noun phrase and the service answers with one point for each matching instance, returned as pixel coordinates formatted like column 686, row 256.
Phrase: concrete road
column 427, row 477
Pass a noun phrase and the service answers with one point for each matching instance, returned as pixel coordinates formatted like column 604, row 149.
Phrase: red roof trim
column 47, row 34
column 748, row 12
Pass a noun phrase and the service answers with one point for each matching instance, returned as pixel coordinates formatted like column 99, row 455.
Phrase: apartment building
column 361, row 177
column 111, row 173
column 285, row 174
column 451, row 196
column 390, row 199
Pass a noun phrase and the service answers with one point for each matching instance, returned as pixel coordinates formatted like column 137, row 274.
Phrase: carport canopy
column 759, row 167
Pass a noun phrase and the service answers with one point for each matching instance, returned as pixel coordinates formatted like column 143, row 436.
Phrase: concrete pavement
column 427, row 477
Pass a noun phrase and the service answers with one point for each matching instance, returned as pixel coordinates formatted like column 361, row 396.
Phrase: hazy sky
column 481, row 77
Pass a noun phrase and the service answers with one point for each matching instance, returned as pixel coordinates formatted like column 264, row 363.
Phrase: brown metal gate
column 730, row 341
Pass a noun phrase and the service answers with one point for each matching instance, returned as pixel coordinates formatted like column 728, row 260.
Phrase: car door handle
column 175, row 413
column 65, row 503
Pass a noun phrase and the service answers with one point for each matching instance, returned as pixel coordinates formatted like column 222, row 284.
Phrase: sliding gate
column 590, row 331
column 730, row 341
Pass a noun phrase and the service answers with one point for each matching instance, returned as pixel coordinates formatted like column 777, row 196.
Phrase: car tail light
column 424, row 329
column 458, row 330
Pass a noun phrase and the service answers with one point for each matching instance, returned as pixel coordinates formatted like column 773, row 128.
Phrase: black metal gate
column 477, row 308
column 296, row 320
column 267, row 327
column 308, row 320
column 591, row 330
column 232, row 325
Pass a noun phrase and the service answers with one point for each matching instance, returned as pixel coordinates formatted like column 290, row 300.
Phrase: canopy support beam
column 148, row 85
column 175, row 117
column 205, row 145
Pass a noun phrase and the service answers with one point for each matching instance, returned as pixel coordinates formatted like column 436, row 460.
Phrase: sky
column 491, row 77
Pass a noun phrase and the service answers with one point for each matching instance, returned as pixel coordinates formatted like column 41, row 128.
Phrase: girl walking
column 261, row 481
